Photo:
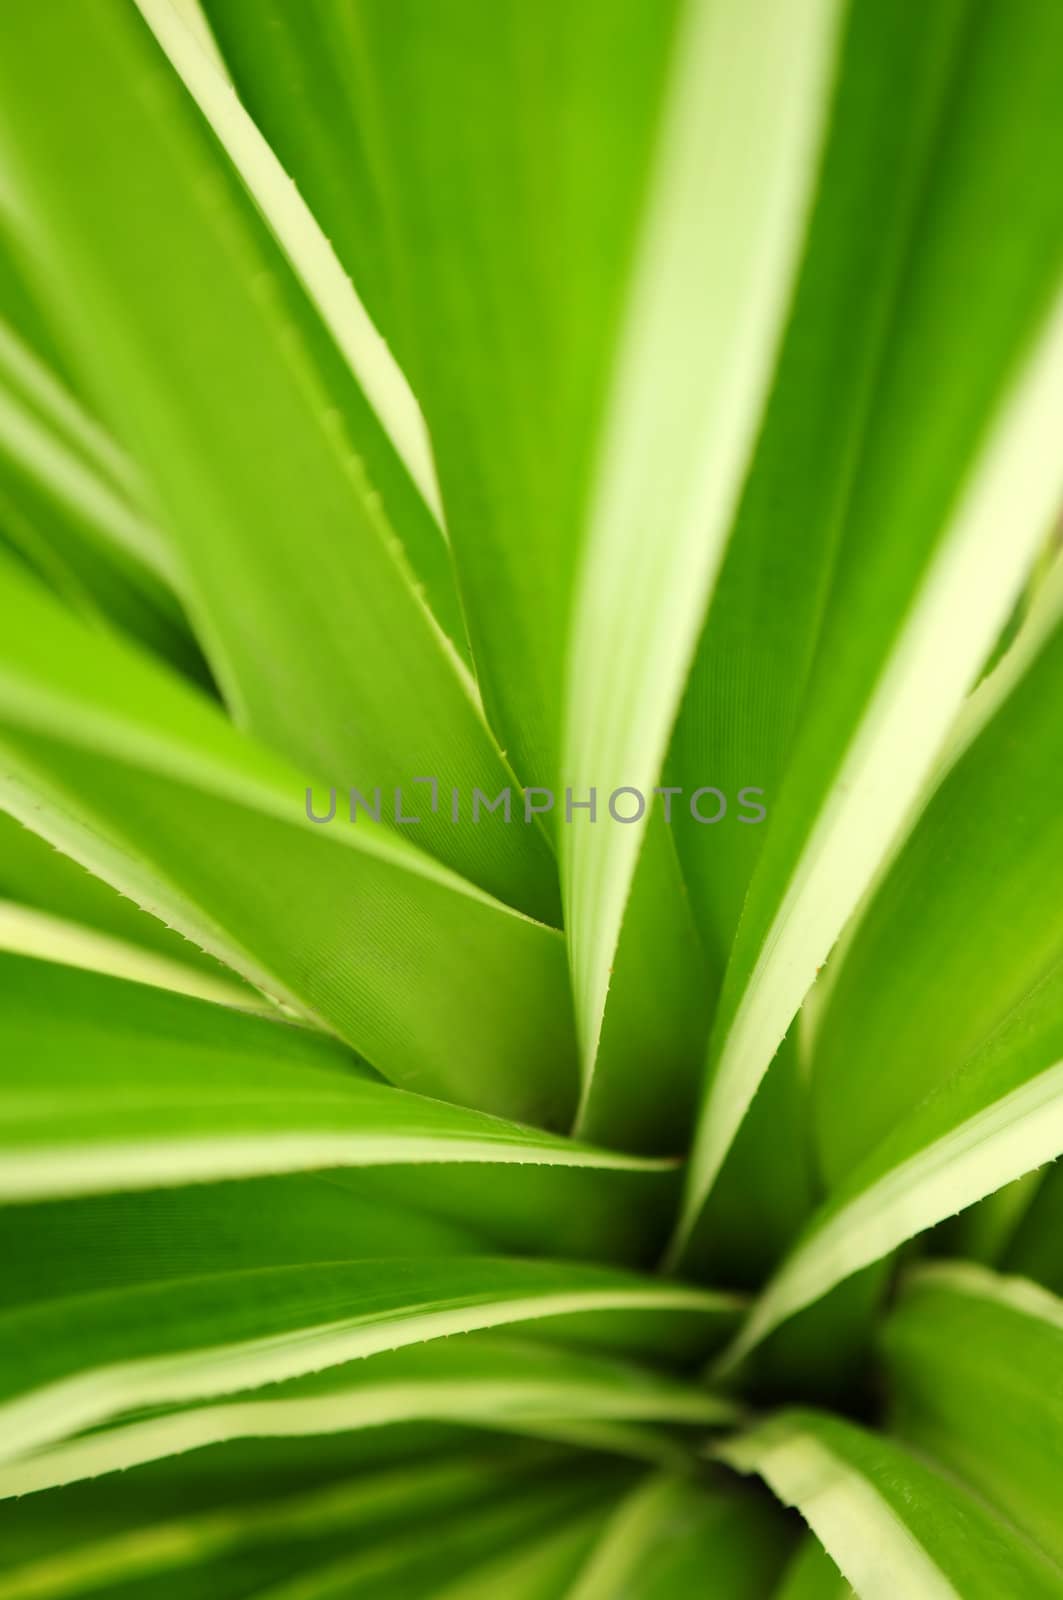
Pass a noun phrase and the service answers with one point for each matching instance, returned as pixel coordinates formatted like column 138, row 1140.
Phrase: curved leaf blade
column 894, row 1523
column 997, row 1118
column 271, row 519
column 972, row 899
column 163, row 1343
column 924, row 581
column 130, row 1088
column 699, row 334
column 972, row 1363
column 146, row 783
column 478, row 1381
column 670, row 1531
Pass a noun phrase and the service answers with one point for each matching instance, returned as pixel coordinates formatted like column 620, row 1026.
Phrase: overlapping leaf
column 132, row 1088
column 892, row 1521
column 69, row 500
column 961, row 1043
column 695, row 354
column 671, row 1532
column 1035, row 1251
column 71, row 1363
column 147, row 784
column 289, row 567
column 923, row 582
column 697, row 302
column 990, row 839
column 523, row 216
column 195, row 1523
column 998, row 1117
column 478, row 1381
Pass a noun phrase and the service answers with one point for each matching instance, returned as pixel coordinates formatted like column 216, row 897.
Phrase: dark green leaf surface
column 1035, row 1251
column 973, row 1363
column 673, row 1535
column 240, row 1513
column 812, row 1575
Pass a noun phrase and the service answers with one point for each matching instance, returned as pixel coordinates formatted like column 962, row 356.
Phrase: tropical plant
column 516, row 1201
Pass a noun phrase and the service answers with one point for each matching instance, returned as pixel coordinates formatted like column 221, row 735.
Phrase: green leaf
column 767, row 1187
column 985, row 1231
column 149, row 786
column 923, row 581
column 92, row 1242
column 522, row 215
column 132, row 1088
column 35, row 876
column 26, row 932
column 972, row 1363
column 694, row 361
column 71, row 502
column 659, row 1009
column 69, row 1364
column 416, row 1562
column 40, row 392
column 277, row 534
column 20, row 302
column 539, row 1570
column 251, row 1514
column 747, row 688
column 960, row 1042
column 1035, row 1250
column 973, row 901
column 670, row 1532
column 812, row 1575
column 380, row 409
column 998, row 1117
column 893, row 1522
column 184, row 35
column 823, row 1355
column 1042, row 615
column 615, row 1213
column 509, row 356
column 477, row 1381
column 263, row 1534
column 644, row 400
